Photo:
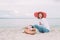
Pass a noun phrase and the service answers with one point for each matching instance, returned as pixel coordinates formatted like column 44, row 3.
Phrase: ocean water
column 19, row 23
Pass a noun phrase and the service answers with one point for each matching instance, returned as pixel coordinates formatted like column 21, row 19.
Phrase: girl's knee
column 45, row 30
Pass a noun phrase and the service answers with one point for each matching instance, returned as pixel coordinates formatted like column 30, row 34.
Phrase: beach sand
column 17, row 34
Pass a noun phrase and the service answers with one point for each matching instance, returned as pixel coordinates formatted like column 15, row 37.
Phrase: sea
column 22, row 22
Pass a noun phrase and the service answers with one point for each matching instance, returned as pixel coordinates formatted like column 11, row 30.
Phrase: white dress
column 43, row 22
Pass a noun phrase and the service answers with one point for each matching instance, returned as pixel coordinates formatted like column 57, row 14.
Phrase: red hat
column 36, row 14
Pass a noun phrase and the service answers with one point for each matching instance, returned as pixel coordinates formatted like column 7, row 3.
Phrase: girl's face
column 40, row 15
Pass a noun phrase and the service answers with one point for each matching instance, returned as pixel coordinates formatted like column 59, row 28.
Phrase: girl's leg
column 45, row 30
column 41, row 28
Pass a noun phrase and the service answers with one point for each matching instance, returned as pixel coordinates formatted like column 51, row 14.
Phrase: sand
column 16, row 34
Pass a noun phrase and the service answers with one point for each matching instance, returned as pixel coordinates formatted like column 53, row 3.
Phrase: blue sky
column 26, row 8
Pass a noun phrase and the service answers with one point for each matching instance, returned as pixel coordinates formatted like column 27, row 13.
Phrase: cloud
column 5, row 16
column 14, row 14
column 26, row 8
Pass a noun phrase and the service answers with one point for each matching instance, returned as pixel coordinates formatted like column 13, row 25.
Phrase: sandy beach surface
column 16, row 34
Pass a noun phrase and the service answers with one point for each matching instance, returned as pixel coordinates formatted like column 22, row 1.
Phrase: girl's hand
column 40, row 23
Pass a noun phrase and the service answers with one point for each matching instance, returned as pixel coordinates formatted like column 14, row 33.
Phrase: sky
column 26, row 8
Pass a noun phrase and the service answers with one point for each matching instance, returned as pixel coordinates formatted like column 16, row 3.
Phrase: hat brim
column 36, row 14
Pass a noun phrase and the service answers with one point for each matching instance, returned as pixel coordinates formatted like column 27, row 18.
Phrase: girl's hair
column 42, row 15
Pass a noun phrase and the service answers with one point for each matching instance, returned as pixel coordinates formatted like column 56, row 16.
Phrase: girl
column 42, row 25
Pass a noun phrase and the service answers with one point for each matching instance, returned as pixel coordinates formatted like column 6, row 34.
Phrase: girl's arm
column 40, row 23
